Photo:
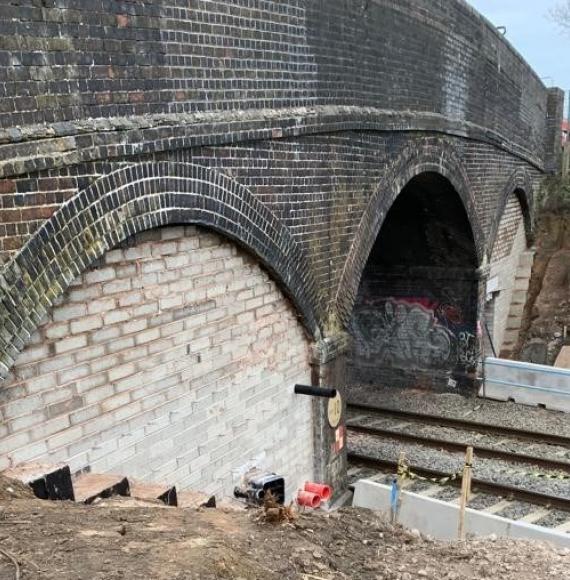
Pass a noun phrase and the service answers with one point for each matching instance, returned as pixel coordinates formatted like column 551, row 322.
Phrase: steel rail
column 500, row 489
column 466, row 425
column 480, row 451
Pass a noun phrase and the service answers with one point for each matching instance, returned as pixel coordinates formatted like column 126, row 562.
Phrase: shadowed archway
column 415, row 317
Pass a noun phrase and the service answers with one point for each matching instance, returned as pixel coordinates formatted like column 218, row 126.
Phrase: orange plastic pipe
column 322, row 490
column 308, row 499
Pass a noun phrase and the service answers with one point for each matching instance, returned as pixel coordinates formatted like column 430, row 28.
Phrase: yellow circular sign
column 335, row 411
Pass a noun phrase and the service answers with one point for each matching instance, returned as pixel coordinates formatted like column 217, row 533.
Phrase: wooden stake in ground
column 401, row 468
column 465, row 490
column 395, row 498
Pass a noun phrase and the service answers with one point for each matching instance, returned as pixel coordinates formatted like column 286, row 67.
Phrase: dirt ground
column 547, row 312
column 117, row 540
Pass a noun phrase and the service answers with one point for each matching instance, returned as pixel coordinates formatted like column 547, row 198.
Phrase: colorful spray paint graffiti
column 415, row 332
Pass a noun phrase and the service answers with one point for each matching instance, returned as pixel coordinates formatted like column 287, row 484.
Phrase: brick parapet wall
column 78, row 60
column 173, row 358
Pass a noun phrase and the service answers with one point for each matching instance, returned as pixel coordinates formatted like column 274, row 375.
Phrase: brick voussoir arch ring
column 131, row 200
column 442, row 159
column 520, row 184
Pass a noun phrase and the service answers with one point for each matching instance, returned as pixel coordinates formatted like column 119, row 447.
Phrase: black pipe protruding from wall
column 315, row 391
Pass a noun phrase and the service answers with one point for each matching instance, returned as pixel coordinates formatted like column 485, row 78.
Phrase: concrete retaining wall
column 527, row 384
column 440, row 519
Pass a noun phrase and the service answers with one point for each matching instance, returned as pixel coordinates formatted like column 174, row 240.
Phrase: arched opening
column 161, row 351
column 134, row 199
column 415, row 317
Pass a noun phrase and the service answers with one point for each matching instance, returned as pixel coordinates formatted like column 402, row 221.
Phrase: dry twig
column 14, row 561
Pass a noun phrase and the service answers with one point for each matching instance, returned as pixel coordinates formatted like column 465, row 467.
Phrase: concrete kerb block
column 440, row 519
column 516, row 312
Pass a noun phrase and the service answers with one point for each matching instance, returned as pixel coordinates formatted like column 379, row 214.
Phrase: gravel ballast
column 451, row 462
column 473, row 408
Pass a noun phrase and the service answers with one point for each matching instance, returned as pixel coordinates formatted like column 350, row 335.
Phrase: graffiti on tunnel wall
column 415, row 332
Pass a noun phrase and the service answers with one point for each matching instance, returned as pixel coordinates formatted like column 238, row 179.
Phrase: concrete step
column 196, row 499
column 519, row 297
column 47, row 481
column 523, row 272
column 526, row 259
column 514, row 322
column 91, row 486
column 516, row 310
column 511, row 336
column 522, row 283
column 154, row 491
column 193, row 499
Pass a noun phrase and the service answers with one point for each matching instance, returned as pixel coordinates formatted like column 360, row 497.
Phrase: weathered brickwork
column 174, row 358
column 82, row 59
column 319, row 187
column 553, row 145
column 288, row 128
column 132, row 200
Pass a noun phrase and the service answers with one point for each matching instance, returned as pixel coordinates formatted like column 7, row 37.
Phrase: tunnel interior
column 414, row 320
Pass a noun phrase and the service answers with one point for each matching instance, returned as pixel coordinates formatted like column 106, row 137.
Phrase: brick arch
column 442, row 159
column 128, row 201
column 519, row 184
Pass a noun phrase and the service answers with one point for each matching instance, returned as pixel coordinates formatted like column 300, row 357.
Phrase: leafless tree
column 561, row 14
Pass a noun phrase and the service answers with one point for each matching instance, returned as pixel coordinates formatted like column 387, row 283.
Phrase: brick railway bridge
column 205, row 202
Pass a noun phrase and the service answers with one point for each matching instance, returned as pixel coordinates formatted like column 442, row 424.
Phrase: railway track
column 479, row 450
column 382, row 424
column 465, row 425
column 481, row 485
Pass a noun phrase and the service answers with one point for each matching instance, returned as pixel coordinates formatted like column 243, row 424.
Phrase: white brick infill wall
column 173, row 359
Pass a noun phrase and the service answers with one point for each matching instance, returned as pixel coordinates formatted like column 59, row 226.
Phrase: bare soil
column 546, row 317
column 119, row 540
column 12, row 489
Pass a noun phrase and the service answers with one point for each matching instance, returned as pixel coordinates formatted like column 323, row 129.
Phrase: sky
column 540, row 41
